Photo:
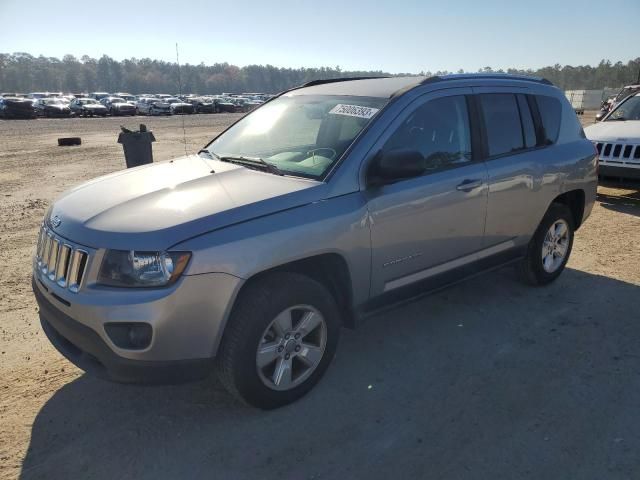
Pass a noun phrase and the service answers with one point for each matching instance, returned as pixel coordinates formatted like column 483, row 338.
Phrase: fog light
column 132, row 336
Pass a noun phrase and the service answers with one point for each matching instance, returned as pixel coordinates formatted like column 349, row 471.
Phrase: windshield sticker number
column 354, row 111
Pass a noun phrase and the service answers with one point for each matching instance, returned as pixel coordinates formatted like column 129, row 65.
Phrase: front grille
column 619, row 153
column 59, row 261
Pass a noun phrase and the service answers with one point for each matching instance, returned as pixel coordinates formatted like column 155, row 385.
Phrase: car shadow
column 487, row 379
column 628, row 202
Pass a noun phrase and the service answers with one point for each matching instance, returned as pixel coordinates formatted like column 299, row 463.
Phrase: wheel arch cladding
column 575, row 200
column 328, row 269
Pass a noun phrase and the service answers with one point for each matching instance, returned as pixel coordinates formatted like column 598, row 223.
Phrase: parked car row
column 101, row 104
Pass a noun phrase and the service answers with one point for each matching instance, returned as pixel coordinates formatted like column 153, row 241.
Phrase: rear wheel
column 550, row 247
column 279, row 341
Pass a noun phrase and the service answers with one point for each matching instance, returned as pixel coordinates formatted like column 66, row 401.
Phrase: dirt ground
column 487, row 379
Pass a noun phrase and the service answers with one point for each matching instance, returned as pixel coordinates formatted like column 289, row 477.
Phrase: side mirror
column 393, row 165
column 600, row 115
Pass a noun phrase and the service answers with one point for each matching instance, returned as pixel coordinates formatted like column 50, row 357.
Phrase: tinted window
column 502, row 123
column 439, row 130
column 528, row 128
column 549, row 108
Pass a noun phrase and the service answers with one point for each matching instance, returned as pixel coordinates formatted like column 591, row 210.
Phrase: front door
column 434, row 222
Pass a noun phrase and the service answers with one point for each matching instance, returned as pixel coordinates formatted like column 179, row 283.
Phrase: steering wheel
column 331, row 151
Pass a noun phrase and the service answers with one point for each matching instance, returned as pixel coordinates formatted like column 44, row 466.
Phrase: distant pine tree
column 22, row 72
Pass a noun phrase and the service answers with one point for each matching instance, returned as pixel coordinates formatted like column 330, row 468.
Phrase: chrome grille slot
column 53, row 258
column 76, row 269
column 40, row 244
column 616, row 150
column 46, row 252
column 61, row 262
column 63, row 265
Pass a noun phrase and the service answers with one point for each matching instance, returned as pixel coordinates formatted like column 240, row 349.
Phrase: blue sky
column 394, row 36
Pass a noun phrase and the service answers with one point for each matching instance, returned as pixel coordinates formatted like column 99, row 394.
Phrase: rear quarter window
column 550, row 113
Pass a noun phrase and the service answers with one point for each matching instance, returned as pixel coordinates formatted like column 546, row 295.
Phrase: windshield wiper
column 252, row 162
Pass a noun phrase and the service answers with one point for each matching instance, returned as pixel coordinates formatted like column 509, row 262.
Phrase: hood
column 614, row 131
column 156, row 206
column 161, row 105
column 94, row 106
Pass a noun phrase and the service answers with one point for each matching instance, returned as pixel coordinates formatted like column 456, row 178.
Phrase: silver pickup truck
column 321, row 206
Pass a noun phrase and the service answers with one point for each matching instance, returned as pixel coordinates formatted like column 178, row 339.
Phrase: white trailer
column 582, row 100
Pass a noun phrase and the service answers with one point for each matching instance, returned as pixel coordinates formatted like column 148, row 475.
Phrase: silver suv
column 322, row 205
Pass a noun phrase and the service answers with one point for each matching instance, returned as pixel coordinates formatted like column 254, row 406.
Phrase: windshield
column 625, row 92
column 53, row 101
column 301, row 135
column 627, row 110
column 88, row 102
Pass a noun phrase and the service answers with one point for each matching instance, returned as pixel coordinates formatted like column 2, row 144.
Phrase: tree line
column 22, row 72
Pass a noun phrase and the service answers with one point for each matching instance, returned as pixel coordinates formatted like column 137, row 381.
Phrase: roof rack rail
column 334, row 80
column 490, row 76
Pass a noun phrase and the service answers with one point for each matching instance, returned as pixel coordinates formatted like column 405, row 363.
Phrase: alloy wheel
column 291, row 347
column 555, row 246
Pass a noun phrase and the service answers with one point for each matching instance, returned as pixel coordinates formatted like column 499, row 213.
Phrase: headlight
column 141, row 269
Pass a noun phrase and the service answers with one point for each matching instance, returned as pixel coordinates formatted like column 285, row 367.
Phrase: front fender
column 336, row 225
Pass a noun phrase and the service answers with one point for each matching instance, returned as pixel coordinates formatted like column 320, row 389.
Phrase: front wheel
column 550, row 247
column 279, row 341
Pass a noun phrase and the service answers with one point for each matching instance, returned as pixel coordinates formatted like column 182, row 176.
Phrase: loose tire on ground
column 258, row 305
column 69, row 141
column 532, row 268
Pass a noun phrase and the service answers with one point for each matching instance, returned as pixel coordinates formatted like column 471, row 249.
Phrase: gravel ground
column 487, row 379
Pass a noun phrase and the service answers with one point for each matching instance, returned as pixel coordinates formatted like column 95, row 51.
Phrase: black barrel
column 137, row 146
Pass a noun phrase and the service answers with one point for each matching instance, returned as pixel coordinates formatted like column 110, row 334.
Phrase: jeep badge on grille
column 55, row 221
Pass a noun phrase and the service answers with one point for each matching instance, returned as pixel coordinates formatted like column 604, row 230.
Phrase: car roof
column 383, row 87
column 386, row 87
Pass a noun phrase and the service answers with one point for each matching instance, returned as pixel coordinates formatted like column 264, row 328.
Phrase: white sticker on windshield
column 354, row 111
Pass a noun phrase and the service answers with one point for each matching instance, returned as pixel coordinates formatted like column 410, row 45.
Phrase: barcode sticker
column 354, row 111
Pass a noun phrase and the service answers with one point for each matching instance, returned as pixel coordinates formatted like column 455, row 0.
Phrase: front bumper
column 187, row 322
column 622, row 171
column 83, row 347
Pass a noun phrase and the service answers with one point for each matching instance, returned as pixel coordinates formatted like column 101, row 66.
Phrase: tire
column 255, row 311
column 532, row 268
column 69, row 141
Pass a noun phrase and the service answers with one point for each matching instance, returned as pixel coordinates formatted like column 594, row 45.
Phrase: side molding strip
column 443, row 267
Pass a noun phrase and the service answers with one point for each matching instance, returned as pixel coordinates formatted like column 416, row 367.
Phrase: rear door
column 515, row 162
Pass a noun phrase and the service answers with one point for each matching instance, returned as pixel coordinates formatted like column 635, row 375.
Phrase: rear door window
column 502, row 123
column 550, row 111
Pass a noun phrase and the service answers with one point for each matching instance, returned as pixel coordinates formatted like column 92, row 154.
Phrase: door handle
column 468, row 185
